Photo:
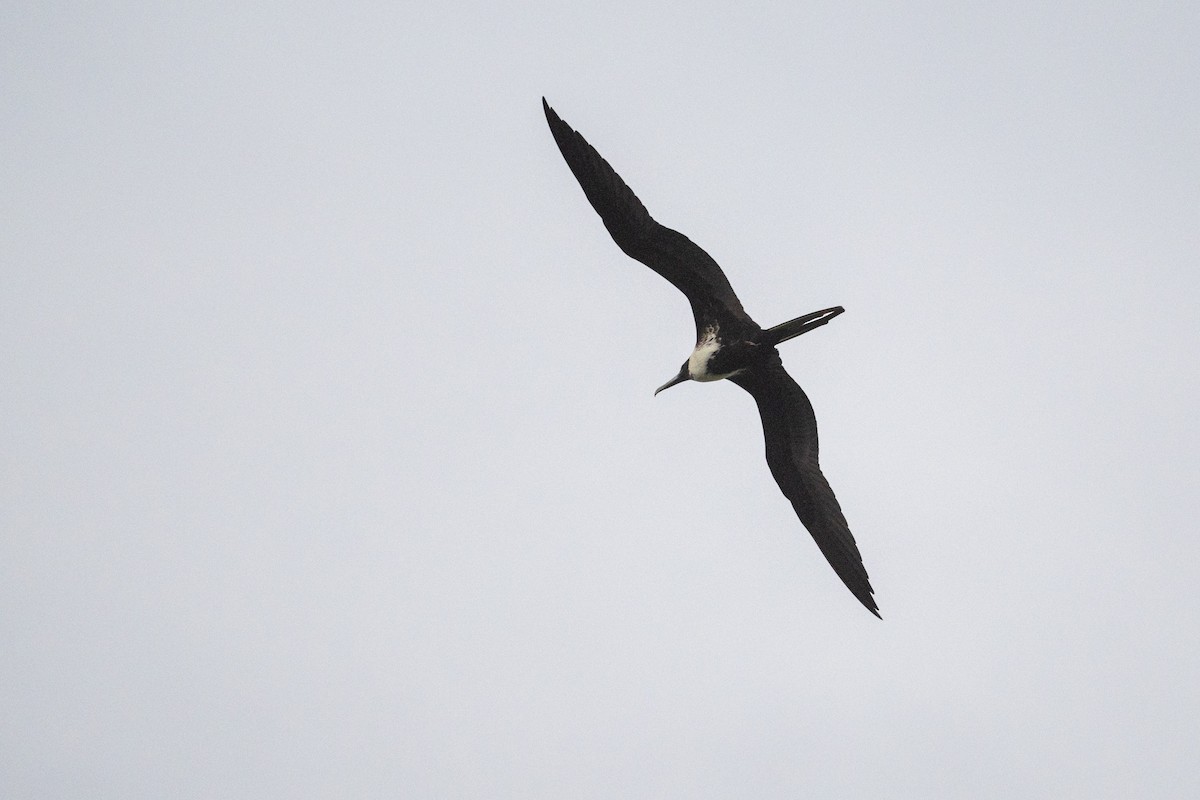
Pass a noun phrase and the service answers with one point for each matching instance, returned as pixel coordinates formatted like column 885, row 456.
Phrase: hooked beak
column 680, row 378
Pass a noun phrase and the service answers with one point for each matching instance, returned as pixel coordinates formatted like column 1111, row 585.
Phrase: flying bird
column 729, row 345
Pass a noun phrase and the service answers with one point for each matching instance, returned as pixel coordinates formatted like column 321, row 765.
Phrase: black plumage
column 729, row 345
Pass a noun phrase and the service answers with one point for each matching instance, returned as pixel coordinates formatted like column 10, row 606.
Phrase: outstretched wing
column 790, row 430
column 667, row 252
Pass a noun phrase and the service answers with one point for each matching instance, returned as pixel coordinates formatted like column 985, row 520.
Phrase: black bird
column 729, row 344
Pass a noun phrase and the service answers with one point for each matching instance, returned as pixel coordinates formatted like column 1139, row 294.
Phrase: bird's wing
column 667, row 252
column 790, row 430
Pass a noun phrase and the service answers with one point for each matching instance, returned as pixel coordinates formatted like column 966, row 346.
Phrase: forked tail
column 793, row 328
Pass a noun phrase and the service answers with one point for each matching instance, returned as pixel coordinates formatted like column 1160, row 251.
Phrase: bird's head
column 683, row 375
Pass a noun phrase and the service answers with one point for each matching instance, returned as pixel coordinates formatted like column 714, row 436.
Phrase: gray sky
column 329, row 461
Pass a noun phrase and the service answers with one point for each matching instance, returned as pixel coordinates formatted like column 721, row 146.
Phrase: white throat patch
column 698, row 361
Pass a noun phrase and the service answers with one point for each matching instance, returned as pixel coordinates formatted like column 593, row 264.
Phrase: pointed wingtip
column 559, row 128
column 867, row 599
column 864, row 594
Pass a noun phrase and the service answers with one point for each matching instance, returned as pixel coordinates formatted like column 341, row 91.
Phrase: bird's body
column 729, row 345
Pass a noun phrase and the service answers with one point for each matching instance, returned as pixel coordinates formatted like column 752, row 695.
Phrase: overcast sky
column 330, row 466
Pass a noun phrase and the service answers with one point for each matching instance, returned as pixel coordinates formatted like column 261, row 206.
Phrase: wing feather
column 790, row 431
column 669, row 253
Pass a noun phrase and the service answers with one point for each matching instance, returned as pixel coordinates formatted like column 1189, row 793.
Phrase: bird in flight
column 729, row 344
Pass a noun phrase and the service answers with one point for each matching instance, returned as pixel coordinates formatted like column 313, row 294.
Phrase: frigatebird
column 729, row 345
